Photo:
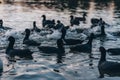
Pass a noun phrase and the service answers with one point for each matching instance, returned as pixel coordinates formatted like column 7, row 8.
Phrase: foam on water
column 55, row 35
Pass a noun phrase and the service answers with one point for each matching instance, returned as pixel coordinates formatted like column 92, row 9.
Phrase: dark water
column 75, row 66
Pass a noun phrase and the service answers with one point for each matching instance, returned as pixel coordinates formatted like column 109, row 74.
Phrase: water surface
column 75, row 66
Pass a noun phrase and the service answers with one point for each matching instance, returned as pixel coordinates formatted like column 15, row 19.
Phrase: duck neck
column 63, row 33
column 10, row 46
column 44, row 18
column 90, row 41
column 102, row 30
column 26, row 36
column 103, row 57
column 34, row 26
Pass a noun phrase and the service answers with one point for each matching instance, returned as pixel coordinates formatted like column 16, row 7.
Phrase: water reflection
column 71, row 5
column 102, row 4
column 60, row 57
column 20, row 15
column 57, row 4
column 93, row 8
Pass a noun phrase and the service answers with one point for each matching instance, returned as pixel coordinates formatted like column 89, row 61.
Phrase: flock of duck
column 104, row 66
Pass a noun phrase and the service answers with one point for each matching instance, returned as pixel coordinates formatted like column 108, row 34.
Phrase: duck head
column 102, row 50
column 58, row 21
column 53, row 20
column 71, row 17
column 101, row 19
column 1, row 20
column 27, row 31
column 11, row 39
column 44, row 17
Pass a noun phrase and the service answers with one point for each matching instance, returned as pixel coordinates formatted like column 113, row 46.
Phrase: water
column 75, row 66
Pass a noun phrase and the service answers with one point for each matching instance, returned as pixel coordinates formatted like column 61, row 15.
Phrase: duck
column 69, row 41
column 27, row 41
column 35, row 28
column 48, row 23
column 114, row 51
column 96, row 21
column 21, row 53
column 107, row 67
column 74, row 21
column 1, row 67
column 2, row 27
column 53, row 50
column 87, row 48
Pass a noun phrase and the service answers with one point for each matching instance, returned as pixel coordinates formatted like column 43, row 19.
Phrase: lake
column 20, row 15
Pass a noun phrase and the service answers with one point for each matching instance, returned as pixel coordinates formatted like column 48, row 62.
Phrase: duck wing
column 72, row 41
column 114, row 51
column 31, row 43
column 94, row 20
column 22, row 53
column 110, row 67
column 81, row 48
column 48, row 49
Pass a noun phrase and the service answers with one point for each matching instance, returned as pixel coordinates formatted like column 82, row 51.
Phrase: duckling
column 1, row 67
column 22, row 53
column 84, row 47
column 35, row 28
column 27, row 41
column 51, row 50
column 69, row 41
column 107, row 67
column 48, row 23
